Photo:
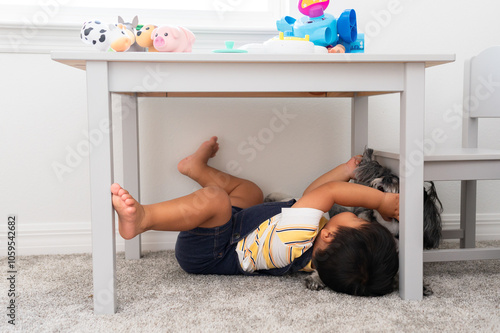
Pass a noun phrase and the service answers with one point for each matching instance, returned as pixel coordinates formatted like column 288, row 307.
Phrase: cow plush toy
column 105, row 37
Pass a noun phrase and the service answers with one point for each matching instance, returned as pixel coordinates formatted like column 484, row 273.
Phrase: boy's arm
column 344, row 172
column 352, row 195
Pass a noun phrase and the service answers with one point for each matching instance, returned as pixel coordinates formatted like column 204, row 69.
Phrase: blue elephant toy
column 323, row 29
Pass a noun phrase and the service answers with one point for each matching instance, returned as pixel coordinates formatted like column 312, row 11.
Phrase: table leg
column 101, row 177
column 359, row 124
column 411, row 171
column 130, row 141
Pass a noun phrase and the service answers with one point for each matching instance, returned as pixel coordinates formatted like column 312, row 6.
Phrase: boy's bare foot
column 191, row 165
column 131, row 214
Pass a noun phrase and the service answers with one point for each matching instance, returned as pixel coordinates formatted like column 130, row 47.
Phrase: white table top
column 78, row 59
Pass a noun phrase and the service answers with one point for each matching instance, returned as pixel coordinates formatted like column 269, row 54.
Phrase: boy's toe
column 122, row 192
column 115, row 188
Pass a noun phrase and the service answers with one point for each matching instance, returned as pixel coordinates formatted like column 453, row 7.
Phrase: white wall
column 43, row 123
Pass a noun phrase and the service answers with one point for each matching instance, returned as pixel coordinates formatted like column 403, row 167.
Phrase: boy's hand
column 389, row 207
column 351, row 165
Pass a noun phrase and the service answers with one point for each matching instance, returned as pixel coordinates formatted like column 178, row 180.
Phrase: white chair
column 469, row 163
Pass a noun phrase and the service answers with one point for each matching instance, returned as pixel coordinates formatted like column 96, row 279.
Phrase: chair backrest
column 481, row 92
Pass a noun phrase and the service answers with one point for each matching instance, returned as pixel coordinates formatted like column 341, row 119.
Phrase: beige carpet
column 155, row 295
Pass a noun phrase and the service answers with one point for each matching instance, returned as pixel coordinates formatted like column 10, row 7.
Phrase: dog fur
column 371, row 173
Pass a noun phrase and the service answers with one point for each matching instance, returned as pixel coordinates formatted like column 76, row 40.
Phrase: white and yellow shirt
column 278, row 241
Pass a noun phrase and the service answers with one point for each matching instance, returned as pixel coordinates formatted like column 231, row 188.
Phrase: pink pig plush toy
column 172, row 39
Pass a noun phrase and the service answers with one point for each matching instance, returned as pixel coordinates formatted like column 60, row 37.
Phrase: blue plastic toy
column 323, row 29
column 359, row 45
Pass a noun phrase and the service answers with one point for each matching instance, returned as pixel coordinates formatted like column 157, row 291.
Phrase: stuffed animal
column 104, row 36
column 144, row 37
column 130, row 29
column 173, row 39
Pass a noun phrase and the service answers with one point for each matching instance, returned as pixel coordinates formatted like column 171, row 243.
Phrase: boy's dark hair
column 360, row 261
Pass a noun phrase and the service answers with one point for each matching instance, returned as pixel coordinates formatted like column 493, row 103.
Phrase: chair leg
column 468, row 213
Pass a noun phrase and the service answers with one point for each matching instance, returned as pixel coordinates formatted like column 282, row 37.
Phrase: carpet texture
column 155, row 295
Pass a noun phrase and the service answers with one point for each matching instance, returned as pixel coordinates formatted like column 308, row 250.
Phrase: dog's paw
column 427, row 289
column 313, row 282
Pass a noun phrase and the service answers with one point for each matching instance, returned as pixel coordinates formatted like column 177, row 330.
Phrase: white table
column 327, row 75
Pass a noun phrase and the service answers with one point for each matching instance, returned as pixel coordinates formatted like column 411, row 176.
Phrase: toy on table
column 130, row 28
column 173, row 39
column 143, row 37
column 282, row 44
column 323, row 29
column 230, row 48
column 359, row 45
column 105, row 36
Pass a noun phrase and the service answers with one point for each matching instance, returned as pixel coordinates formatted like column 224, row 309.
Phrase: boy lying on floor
column 225, row 228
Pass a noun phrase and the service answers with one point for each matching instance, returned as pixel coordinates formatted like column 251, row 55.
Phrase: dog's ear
column 368, row 154
column 430, row 191
column 432, row 217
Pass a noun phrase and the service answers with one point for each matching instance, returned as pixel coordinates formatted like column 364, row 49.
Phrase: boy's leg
column 242, row 193
column 342, row 173
column 209, row 207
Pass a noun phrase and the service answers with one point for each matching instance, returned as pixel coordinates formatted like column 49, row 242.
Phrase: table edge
column 79, row 59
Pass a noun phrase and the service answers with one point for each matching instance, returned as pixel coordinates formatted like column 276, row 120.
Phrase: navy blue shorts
column 212, row 250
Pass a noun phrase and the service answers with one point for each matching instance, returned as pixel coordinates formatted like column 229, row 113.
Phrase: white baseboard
column 58, row 238
column 488, row 225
